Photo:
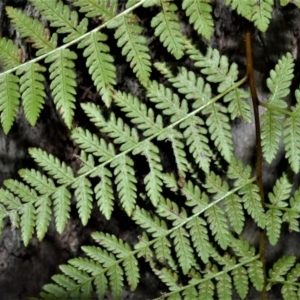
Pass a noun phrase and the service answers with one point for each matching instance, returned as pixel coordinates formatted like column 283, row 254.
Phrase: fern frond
column 60, row 15
column 27, row 222
column 91, row 143
column 199, row 13
column 167, row 27
column 183, row 249
column 279, row 82
column 250, row 192
column 38, row 181
column 286, row 2
column 240, row 280
column 206, row 290
column 262, row 13
column 104, row 192
column 121, row 250
column 281, row 192
column 281, row 267
column 243, row 7
column 273, row 225
column 199, row 236
column 219, row 129
column 115, row 128
column 134, row 45
column 58, row 170
column 63, row 82
column 153, row 179
column 9, row 54
column 125, row 181
column 139, row 114
column 25, row 193
column 168, row 277
column 255, row 273
column 292, row 215
column 100, row 63
column 224, row 287
column 162, row 248
column 33, row 30
column 155, row 226
column 291, row 137
column 9, row 100
column 33, row 90
column 84, row 198
column 62, row 203
column 215, row 66
column 43, row 216
column 106, row 9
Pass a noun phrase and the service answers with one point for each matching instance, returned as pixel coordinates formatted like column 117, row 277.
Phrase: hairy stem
column 256, row 102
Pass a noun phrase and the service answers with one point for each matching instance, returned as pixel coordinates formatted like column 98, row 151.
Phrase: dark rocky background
column 23, row 271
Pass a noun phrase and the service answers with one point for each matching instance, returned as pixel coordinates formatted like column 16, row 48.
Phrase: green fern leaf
column 286, row 2
column 141, row 116
column 9, row 200
column 84, row 198
column 206, row 290
column 243, row 7
column 199, row 13
column 60, row 15
column 168, row 277
column 62, row 203
column 91, row 143
column 43, row 216
column 74, row 273
column 162, row 248
column 199, row 236
column 115, row 128
column 21, row 190
column 65, row 282
column 219, row 129
column 262, row 13
column 183, row 249
column 224, row 287
column 27, row 222
column 115, row 275
column 9, row 54
column 9, row 100
column 101, row 64
column 33, row 30
column 291, row 216
column 238, row 105
column 214, row 65
column 167, row 27
column 273, row 225
column 101, row 286
column 167, row 101
column 125, row 181
column 155, row 226
column 106, row 9
column 190, row 293
column 59, row 170
column 240, row 279
column 250, row 192
column 63, row 82
column 218, row 225
column 281, row 192
column 86, row 265
column 153, row 180
column 53, row 291
column 128, row 34
column 33, row 90
column 104, row 192
column 281, row 267
column 291, row 136
column 39, row 181
column 235, row 212
column 279, row 82
column 289, row 292
column 255, row 273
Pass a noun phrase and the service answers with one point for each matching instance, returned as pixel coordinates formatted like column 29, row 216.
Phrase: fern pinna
column 192, row 227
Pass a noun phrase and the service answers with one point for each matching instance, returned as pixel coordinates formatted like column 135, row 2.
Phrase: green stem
column 274, row 107
column 256, row 102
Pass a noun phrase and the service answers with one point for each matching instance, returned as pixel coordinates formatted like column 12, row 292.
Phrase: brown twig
column 255, row 102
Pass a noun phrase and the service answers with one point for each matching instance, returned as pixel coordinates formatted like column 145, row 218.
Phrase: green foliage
column 192, row 215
